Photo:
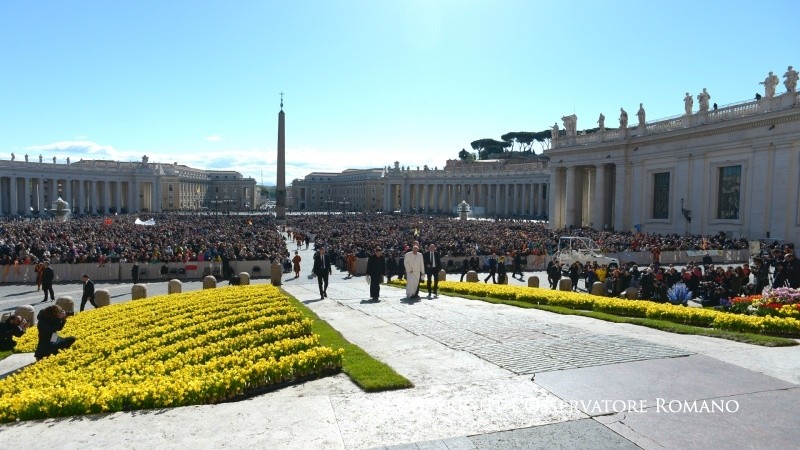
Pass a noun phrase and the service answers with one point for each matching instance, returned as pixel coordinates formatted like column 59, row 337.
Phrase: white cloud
column 258, row 163
column 78, row 148
column 214, row 138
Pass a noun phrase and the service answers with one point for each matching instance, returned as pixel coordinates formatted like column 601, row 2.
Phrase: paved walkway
column 486, row 376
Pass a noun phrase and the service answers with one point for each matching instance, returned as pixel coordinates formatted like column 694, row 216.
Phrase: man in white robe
column 415, row 267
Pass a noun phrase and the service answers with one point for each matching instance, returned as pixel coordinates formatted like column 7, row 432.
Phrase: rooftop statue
column 688, row 102
column 623, row 118
column 769, row 85
column 703, row 99
column 790, row 82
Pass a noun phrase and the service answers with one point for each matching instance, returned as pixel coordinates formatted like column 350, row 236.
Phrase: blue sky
column 366, row 82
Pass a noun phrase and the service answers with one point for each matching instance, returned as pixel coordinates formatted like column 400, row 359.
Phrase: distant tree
column 522, row 139
column 543, row 138
column 466, row 156
column 267, row 192
column 486, row 147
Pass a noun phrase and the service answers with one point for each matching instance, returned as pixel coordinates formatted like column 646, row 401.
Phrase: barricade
column 138, row 291
column 26, row 312
column 598, row 288
column 276, row 272
column 102, row 297
column 66, row 303
column 174, row 287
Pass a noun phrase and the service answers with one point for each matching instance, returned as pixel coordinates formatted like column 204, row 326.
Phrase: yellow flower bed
column 194, row 348
column 784, row 326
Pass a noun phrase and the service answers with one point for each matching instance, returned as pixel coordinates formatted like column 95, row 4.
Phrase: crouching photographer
column 14, row 326
column 51, row 320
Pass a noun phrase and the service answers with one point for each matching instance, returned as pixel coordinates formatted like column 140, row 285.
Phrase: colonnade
column 22, row 195
column 588, row 195
column 497, row 198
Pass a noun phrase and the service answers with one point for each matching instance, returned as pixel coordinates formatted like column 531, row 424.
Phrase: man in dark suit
column 321, row 269
column 47, row 282
column 433, row 264
column 88, row 292
column 376, row 269
column 135, row 272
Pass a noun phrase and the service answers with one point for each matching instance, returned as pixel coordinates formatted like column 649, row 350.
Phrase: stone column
column 26, row 199
column 119, row 197
column 13, row 195
column 81, row 196
column 40, row 194
column 405, row 197
column 569, row 196
column 106, row 196
column 157, row 201
column 619, row 196
column 387, row 204
column 505, row 188
column 532, row 199
column 496, row 210
column 555, row 198
column 598, row 215
column 68, row 193
column 137, row 201
column 542, row 204
column 95, row 202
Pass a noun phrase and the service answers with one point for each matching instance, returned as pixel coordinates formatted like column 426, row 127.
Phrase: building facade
column 101, row 186
column 732, row 169
column 515, row 187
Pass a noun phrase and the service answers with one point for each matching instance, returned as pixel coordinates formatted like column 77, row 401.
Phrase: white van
column 583, row 250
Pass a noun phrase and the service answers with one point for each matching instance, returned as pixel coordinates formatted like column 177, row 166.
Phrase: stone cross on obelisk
column 280, row 193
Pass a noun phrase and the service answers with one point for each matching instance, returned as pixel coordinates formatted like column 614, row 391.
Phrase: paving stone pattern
column 521, row 346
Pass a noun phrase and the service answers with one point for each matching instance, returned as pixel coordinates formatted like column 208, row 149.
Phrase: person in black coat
column 464, row 268
column 433, row 264
column 391, row 268
column 376, row 269
column 51, row 320
column 14, row 326
column 492, row 269
column 135, row 272
column 88, row 292
column 516, row 268
column 321, row 269
column 47, row 282
column 501, row 270
column 474, row 263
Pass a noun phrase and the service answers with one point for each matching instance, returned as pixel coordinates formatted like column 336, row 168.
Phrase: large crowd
column 453, row 237
column 185, row 238
column 357, row 235
column 173, row 238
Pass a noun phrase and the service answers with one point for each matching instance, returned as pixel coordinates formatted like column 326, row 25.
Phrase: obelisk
column 280, row 192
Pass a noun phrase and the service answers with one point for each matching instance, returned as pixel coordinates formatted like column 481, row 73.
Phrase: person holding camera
column 14, row 326
column 51, row 320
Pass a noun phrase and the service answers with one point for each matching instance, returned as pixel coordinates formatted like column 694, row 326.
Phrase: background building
column 731, row 169
column 505, row 188
column 102, row 186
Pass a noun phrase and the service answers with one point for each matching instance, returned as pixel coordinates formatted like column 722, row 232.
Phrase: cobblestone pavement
column 518, row 344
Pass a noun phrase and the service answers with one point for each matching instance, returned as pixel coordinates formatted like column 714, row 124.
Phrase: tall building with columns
column 102, row 186
column 733, row 169
column 515, row 187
